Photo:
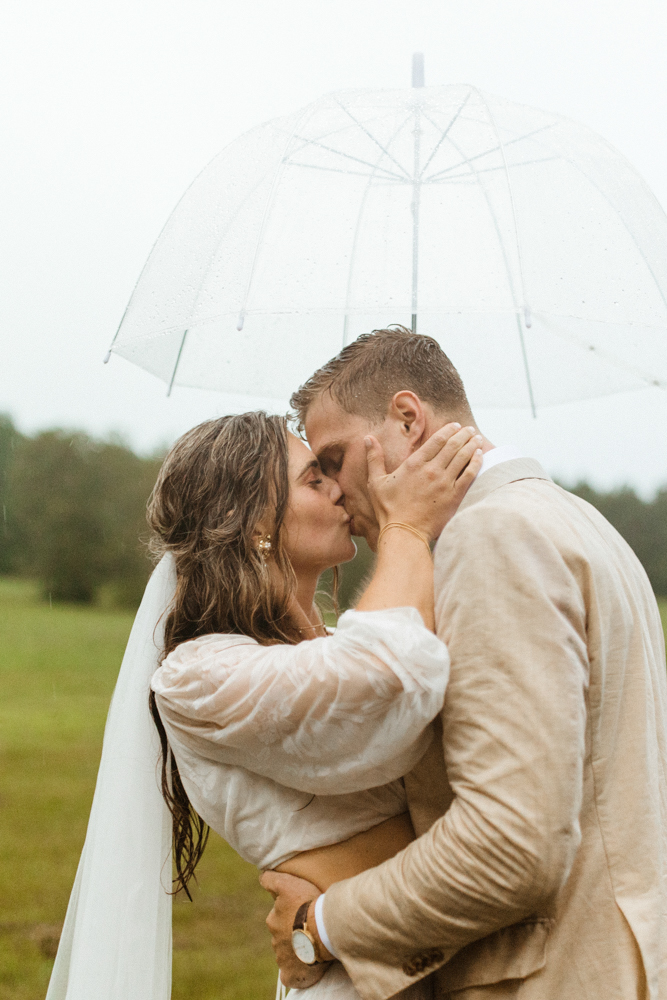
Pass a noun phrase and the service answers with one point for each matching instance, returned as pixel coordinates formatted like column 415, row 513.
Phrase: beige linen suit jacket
column 540, row 872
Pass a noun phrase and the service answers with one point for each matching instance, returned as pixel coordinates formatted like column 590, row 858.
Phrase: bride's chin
column 352, row 551
column 341, row 554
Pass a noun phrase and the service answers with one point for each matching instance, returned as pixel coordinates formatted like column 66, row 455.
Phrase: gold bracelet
column 408, row 527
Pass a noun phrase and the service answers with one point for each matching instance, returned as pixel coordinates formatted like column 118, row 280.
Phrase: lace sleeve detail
column 327, row 716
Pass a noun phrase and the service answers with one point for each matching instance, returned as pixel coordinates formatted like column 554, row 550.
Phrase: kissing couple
column 461, row 791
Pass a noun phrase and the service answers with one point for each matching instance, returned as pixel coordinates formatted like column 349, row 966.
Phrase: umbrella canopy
column 521, row 240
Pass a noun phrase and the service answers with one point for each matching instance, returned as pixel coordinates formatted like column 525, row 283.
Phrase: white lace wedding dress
column 282, row 749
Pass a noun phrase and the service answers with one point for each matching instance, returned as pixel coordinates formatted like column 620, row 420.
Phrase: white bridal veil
column 116, row 941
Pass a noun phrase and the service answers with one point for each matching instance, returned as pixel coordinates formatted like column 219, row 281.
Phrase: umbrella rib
column 201, row 285
column 211, row 259
column 309, row 111
column 508, row 270
column 491, row 170
column 445, row 133
column 178, row 359
column 622, row 220
column 518, row 250
column 354, row 242
column 329, row 134
column 488, row 152
column 376, row 141
column 496, row 226
column 611, row 358
column 347, row 156
column 148, row 259
column 339, row 170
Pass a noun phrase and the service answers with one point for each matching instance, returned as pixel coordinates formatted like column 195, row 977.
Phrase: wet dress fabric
column 283, row 749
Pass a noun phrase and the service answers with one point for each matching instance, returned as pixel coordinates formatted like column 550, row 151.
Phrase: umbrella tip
column 107, row 356
column 417, row 69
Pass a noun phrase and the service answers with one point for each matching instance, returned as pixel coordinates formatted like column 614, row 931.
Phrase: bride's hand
column 426, row 490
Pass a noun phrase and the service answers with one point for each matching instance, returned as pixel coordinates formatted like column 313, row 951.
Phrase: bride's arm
column 327, row 717
column 422, row 494
column 325, row 865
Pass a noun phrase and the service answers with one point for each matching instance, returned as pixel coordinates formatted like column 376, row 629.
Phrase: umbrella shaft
column 416, row 192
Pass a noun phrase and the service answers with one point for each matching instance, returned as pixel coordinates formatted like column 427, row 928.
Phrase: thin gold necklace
column 307, row 627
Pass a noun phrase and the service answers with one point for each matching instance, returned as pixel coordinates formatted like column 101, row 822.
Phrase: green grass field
column 57, row 670
column 58, row 666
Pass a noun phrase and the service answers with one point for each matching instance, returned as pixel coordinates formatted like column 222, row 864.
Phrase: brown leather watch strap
column 301, row 917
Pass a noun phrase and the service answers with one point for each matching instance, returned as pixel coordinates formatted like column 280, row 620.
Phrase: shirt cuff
column 321, row 929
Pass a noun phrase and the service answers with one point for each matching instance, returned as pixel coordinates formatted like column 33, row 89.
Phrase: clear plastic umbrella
column 521, row 240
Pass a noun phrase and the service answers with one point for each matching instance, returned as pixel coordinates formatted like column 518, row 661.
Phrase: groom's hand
column 289, row 893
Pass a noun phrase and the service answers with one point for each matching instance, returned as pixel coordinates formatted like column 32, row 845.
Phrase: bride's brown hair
column 218, row 482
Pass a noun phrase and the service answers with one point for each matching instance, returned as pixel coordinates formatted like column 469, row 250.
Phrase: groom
column 540, row 868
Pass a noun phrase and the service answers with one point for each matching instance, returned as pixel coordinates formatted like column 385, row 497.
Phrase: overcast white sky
column 108, row 110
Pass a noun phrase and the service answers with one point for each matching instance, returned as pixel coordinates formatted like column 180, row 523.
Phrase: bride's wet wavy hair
column 215, row 486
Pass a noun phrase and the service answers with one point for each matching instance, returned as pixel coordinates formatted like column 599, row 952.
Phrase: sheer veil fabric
column 116, row 941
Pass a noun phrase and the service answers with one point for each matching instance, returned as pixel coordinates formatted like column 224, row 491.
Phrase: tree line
column 74, row 518
column 73, row 514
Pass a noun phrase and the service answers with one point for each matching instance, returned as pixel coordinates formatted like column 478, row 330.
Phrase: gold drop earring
column 264, row 547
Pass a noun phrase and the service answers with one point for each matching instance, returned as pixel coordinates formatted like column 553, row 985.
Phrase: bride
column 287, row 740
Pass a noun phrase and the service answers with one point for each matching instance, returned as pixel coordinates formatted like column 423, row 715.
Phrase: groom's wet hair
column 367, row 373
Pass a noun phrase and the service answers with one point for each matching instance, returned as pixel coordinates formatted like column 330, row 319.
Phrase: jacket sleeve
column 327, row 716
column 510, row 607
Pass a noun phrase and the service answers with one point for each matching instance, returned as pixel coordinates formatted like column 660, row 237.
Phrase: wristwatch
column 303, row 942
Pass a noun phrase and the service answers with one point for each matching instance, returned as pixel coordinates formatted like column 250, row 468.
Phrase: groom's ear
column 407, row 409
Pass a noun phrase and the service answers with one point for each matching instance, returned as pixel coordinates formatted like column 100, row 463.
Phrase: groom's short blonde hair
column 367, row 373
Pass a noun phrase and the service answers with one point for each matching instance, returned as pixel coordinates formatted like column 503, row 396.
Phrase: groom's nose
column 337, row 494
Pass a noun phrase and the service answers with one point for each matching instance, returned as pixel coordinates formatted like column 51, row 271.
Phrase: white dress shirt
column 503, row 453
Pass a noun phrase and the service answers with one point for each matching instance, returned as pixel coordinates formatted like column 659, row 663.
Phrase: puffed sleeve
column 327, row 716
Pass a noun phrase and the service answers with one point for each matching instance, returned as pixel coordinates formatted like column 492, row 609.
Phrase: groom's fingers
column 289, row 892
column 281, row 882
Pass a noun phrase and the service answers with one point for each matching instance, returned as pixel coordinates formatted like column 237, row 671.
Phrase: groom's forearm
column 457, row 883
column 514, row 733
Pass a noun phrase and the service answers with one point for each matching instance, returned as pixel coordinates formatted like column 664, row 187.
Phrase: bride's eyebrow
column 313, row 464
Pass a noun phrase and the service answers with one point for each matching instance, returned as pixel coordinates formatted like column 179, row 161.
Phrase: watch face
column 304, row 949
